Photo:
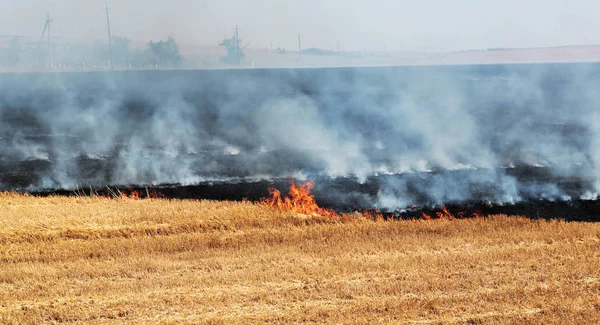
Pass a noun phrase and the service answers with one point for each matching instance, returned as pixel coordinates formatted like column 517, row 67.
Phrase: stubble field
column 99, row 260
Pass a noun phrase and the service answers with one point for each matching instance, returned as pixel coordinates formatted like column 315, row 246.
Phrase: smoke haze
column 423, row 135
column 410, row 25
column 433, row 134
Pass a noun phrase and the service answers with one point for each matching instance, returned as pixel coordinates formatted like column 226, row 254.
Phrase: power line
column 109, row 35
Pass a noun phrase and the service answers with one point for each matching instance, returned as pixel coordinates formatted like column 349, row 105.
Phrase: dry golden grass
column 96, row 260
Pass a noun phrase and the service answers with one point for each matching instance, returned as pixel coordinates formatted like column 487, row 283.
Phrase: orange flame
column 445, row 214
column 153, row 194
column 373, row 215
column 133, row 194
column 300, row 200
column 425, row 216
column 136, row 195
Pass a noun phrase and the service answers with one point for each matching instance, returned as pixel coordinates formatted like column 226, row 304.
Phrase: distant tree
column 164, row 53
column 93, row 55
column 317, row 51
column 100, row 55
column 11, row 56
column 233, row 55
column 3, row 56
column 122, row 55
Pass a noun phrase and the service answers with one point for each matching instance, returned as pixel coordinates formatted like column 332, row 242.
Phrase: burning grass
column 102, row 260
column 300, row 200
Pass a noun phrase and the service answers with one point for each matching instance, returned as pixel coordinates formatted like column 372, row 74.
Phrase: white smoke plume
column 432, row 134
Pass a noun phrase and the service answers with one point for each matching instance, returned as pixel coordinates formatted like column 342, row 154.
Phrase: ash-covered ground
column 389, row 138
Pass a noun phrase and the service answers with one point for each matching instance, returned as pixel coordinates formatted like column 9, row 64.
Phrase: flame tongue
column 300, row 200
column 445, row 214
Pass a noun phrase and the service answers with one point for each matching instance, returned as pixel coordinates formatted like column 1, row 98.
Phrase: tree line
column 20, row 53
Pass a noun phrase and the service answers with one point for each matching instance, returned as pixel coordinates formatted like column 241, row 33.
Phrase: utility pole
column 237, row 42
column 299, row 46
column 47, row 28
column 109, row 36
column 48, row 21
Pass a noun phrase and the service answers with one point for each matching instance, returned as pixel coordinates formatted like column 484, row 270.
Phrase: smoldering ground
column 428, row 135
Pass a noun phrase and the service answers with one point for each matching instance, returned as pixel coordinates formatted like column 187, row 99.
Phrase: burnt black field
column 393, row 138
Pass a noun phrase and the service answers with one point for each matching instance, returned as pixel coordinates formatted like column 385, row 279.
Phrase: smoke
column 428, row 135
column 356, row 24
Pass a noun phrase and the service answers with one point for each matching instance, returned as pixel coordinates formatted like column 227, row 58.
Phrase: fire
column 300, row 200
column 135, row 194
column 373, row 215
column 445, row 214
column 425, row 216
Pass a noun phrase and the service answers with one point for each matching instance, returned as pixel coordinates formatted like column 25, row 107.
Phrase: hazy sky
column 356, row 24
